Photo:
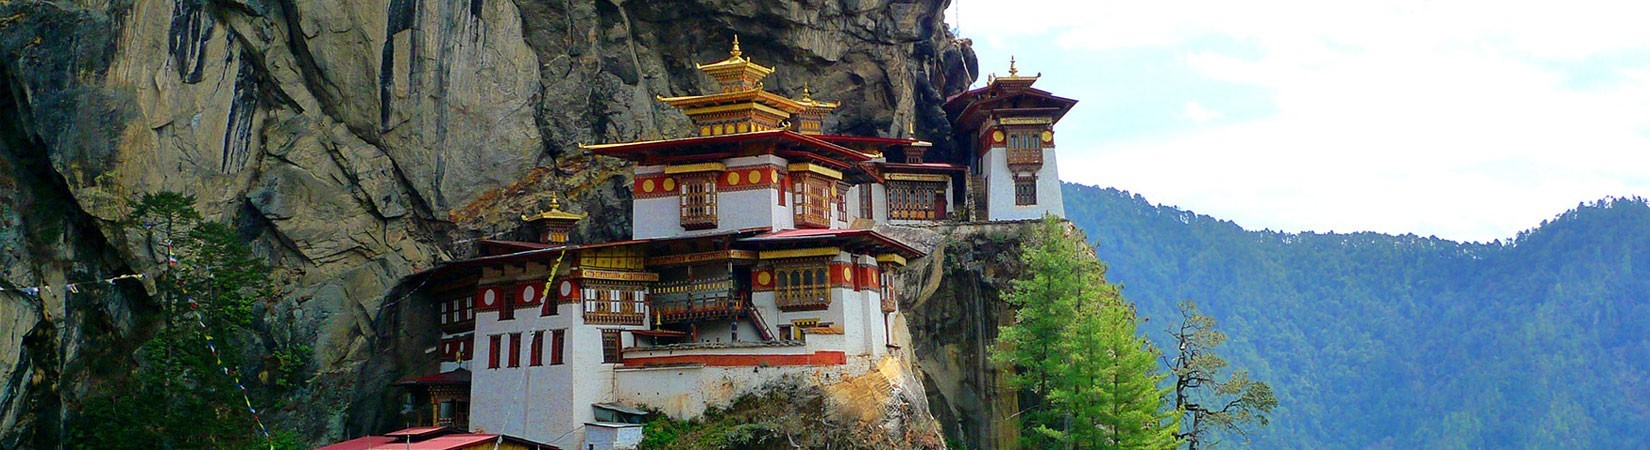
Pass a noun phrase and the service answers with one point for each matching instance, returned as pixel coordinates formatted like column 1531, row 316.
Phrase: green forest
column 1379, row 341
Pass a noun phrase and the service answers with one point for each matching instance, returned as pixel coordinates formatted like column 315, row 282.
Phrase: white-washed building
column 753, row 257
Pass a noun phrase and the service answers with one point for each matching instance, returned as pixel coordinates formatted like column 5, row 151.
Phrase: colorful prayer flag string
column 233, row 374
column 73, row 288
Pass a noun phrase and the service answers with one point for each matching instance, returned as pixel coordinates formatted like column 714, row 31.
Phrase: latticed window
column 1025, row 147
column 914, row 201
column 699, row 200
column 1025, row 189
column 802, row 287
column 813, row 201
column 614, row 304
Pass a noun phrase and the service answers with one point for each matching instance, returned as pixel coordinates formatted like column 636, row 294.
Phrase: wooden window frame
column 867, row 208
column 612, row 347
column 812, row 208
column 697, row 193
column 1025, row 190
column 802, row 285
column 608, row 304
column 515, row 350
column 536, row 351
column 507, row 303
column 558, row 346
column 914, row 200
column 493, row 350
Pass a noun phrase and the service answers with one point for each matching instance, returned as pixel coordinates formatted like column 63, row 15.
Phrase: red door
column 939, row 205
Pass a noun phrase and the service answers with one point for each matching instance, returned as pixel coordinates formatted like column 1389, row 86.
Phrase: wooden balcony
column 803, row 298
column 1025, row 157
column 698, row 221
column 697, row 300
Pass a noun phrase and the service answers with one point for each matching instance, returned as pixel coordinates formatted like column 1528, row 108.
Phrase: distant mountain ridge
column 1382, row 341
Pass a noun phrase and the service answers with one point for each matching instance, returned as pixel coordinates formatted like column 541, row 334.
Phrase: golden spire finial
column 1011, row 70
column 555, row 202
column 735, row 52
column 807, row 94
column 911, row 128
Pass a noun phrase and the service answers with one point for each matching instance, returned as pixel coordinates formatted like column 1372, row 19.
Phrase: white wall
column 1000, row 188
column 661, row 216
column 543, row 403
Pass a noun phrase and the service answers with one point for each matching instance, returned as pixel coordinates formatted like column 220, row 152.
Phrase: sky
column 1468, row 120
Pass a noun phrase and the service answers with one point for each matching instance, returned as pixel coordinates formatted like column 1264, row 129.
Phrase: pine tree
column 1075, row 349
column 180, row 395
column 1213, row 404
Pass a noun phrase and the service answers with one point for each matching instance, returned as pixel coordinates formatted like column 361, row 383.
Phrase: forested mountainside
column 1381, row 341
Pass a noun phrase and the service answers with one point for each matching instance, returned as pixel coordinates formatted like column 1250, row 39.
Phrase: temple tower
column 1007, row 129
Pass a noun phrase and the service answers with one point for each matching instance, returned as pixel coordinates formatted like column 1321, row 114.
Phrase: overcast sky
column 1469, row 120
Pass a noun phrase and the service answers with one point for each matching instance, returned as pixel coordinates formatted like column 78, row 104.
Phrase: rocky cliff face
column 356, row 143
column 953, row 302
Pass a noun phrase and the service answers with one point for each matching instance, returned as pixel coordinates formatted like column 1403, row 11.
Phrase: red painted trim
column 825, row 358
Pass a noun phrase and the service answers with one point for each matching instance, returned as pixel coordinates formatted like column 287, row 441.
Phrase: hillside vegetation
column 1381, row 341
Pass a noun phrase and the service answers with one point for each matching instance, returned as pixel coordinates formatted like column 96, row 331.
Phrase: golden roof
column 734, row 97
column 735, row 67
column 808, row 100
column 1014, row 73
column 555, row 213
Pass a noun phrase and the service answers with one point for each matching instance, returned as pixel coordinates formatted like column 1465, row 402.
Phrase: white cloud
column 1455, row 118
column 1196, row 112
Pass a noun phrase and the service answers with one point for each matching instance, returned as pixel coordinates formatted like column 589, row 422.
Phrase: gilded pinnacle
column 735, row 52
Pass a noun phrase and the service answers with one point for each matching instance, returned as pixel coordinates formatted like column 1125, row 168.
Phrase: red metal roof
column 963, row 107
column 635, row 149
column 835, row 233
column 417, row 432
column 430, row 438
column 362, row 443
column 448, row 442
column 837, row 138
column 515, row 245
column 659, row 333
column 459, row 376
column 922, row 167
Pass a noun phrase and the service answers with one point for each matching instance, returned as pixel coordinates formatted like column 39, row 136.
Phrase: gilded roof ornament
column 555, row 212
column 735, row 52
column 1013, row 72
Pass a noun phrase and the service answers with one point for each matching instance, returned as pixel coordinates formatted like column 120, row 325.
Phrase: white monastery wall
column 1000, row 188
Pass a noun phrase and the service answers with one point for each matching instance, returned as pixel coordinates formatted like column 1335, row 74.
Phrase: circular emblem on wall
column 670, row 184
column 527, row 294
column 566, row 288
column 753, row 177
column 763, row 278
column 997, row 136
column 733, row 178
column 647, row 185
column 489, row 297
column 1048, row 136
column 773, row 177
column 847, row 273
